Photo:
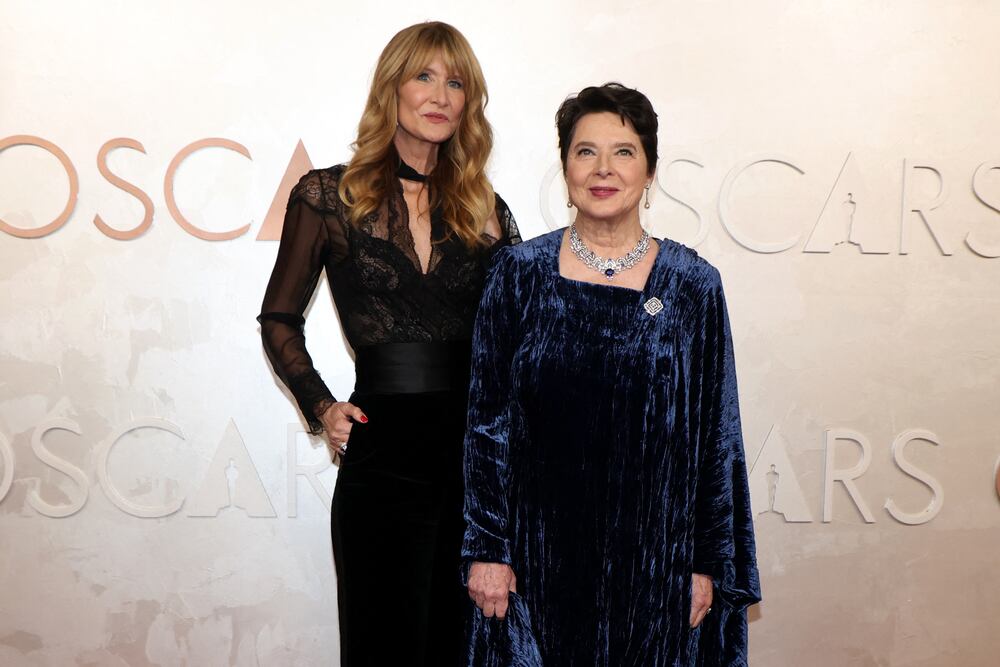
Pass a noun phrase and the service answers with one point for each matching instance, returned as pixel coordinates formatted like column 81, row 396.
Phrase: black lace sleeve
column 509, row 234
column 507, row 222
column 302, row 253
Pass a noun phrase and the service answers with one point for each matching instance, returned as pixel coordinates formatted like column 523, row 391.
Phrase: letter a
column 270, row 229
column 214, row 493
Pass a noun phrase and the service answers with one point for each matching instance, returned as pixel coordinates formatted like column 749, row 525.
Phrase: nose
column 439, row 93
column 603, row 166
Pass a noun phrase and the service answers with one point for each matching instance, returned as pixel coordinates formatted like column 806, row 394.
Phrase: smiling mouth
column 436, row 117
column 603, row 192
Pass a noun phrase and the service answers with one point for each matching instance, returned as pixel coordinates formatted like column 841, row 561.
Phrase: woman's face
column 431, row 103
column 606, row 168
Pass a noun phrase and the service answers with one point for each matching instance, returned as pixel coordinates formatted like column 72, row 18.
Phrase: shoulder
column 689, row 265
column 533, row 252
column 505, row 221
column 322, row 178
column 697, row 283
column 524, row 264
column 501, row 207
column 500, row 203
column 318, row 188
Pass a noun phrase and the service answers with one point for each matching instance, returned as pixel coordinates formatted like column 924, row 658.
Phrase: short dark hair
column 612, row 97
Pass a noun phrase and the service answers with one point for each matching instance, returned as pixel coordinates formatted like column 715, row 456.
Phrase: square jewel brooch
column 653, row 306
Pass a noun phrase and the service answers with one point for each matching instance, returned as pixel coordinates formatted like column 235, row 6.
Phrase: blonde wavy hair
column 458, row 184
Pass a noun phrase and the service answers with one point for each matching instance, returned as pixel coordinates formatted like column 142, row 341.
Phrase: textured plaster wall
column 158, row 502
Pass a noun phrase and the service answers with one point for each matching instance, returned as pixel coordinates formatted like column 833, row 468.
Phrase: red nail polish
column 364, row 420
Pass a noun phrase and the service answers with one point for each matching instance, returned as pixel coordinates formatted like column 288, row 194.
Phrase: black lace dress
column 396, row 520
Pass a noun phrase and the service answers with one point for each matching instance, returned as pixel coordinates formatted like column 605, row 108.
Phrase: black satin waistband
column 412, row 368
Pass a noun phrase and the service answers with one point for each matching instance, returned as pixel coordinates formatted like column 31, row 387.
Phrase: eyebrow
column 620, row 144
column 437, row 72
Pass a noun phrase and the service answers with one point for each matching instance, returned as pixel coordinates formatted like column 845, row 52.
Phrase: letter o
column 996, row 472
column 74, row 186
column 7, row 454
column 543, row 196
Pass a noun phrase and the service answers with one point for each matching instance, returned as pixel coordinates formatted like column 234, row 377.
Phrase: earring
column 569, row 204
column 646, row 205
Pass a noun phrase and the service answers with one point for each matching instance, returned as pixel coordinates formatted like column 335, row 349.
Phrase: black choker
column 408, row 173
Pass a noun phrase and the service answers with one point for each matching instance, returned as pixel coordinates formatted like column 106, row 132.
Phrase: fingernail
column 364, row 420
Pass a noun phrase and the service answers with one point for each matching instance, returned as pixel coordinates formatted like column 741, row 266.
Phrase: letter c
column 116, row 496
column 724, row 213
column 168, row 189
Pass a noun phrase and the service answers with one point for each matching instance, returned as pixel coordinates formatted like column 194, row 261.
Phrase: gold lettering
column 74, row 186
column 147, row 203
column 297, row 167
column 168, row 189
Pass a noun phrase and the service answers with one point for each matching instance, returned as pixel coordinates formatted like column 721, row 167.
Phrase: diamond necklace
column 609, row 267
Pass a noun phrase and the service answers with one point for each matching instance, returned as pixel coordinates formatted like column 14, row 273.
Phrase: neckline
column 408, row 173
column 557, row 246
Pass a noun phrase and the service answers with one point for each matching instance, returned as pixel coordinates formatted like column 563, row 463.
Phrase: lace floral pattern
column 380, row 292
column 313, row 397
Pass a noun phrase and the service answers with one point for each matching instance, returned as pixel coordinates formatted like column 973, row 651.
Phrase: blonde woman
column 405, row 232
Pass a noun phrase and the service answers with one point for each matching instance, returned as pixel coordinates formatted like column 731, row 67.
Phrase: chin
column 605, row 210
column 436, row 137
column 440, row 136
column 604, row 215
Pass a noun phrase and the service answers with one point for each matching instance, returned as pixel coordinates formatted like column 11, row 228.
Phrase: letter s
column 937, row 498
column 63, row 466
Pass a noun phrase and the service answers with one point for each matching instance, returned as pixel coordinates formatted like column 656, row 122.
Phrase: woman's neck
column 419, row 154
column 609, row 237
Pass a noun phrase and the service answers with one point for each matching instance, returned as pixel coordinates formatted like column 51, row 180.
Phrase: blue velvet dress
column 604, row 462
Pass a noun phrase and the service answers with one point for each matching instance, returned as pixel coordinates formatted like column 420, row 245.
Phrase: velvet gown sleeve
column 492, row 642
column 723, row 537
column 487, row 445
column 305, row 244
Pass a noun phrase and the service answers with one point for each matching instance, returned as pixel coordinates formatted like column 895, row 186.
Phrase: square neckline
column 660, row 246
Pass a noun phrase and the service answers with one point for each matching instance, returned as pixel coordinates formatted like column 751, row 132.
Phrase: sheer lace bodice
column 380, row 292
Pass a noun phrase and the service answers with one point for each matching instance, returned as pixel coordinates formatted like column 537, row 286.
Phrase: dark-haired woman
column 606, row 493
column 404, row 232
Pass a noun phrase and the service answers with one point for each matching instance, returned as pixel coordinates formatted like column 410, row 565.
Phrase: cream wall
column 134, row 367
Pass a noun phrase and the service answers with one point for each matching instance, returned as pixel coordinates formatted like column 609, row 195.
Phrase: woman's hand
column 337, row 421
column 489, row 584
column 701, row 598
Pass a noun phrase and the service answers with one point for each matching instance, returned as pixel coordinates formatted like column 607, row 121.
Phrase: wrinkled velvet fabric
column 604, row 462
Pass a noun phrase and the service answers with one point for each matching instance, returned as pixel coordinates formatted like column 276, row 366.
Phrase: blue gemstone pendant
column 610, row 273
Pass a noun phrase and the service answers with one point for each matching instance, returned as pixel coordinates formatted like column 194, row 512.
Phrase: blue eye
column 456, row 84
column 423, row 76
